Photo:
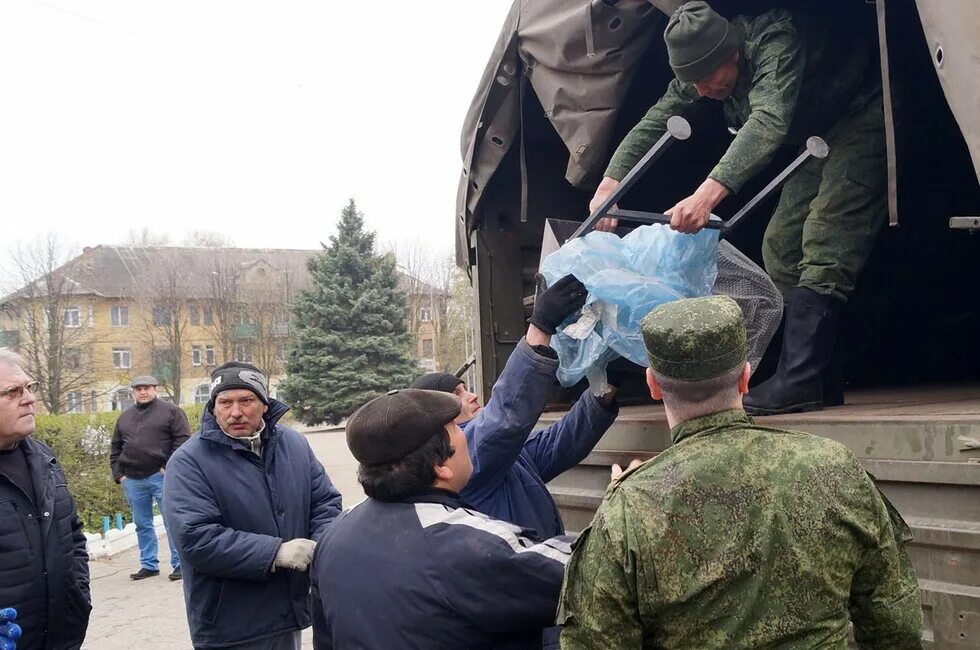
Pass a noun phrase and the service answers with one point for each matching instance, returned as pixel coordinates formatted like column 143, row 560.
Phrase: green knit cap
column 699, row 40
column 695, row 338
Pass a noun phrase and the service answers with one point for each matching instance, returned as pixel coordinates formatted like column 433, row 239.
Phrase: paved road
column 150, row 614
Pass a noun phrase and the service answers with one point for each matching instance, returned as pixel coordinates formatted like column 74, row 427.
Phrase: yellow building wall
column 101, row 337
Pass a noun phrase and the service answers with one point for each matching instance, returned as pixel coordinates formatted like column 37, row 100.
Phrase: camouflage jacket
column 795, row 80
column 740, row 536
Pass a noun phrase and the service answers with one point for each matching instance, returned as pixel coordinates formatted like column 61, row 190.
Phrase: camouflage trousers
column 831, row 210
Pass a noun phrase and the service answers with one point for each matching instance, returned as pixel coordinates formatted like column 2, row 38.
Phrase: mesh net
column 743, row 280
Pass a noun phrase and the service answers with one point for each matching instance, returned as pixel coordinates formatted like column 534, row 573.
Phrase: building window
column 243, row 353
column 195, row 316
column 122, row 358
column 280, row 324
column 73, row 317
column 93, row 404
column 72, row 359
column 202, row 394
column 281, row 352
column 120, row 316
column 74, row 402
column 428, row 349
column 122, row 399
column 203, row 355
column 207, row 316
column 10, row 339
column 425, row 315
column 161, row 316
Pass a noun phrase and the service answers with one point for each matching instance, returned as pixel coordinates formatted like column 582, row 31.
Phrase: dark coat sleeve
column 80, row 555
column 568, row 441
column 203, row 541
column 497, row 434
column 114, row 451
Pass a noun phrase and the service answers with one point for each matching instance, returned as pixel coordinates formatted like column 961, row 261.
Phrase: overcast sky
column 257, row 119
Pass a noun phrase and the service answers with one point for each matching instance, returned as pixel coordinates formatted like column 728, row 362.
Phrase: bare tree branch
column 146, row 237
column 52, row 313
column 224, row 298
column 207, row 239
column 166, row 286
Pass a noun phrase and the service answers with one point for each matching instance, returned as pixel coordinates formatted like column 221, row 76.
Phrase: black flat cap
column 441, row 381
column 390, row 427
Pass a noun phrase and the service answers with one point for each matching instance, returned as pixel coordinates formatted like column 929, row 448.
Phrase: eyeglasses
column 17, row 392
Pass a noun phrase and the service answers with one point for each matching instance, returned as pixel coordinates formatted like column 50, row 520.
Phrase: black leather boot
column 808, row 343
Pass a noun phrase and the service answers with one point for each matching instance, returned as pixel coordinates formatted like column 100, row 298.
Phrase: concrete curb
column 117, row 541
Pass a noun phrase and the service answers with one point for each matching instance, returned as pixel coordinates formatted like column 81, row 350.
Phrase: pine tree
column 352, row 341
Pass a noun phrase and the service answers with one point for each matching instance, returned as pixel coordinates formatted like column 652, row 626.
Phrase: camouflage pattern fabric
column 740, row 536
column 695, row 338
column 831, row 210
column 796, row 80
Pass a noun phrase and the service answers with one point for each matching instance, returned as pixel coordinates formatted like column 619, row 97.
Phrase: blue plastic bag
column 626, row 279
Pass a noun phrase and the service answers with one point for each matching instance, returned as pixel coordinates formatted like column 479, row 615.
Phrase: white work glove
column 296, row 554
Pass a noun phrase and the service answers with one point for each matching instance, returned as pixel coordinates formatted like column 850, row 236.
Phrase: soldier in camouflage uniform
column 737, row 536
column 782, row 78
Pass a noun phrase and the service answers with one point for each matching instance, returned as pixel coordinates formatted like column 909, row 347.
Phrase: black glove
column 615, row 376
column 620, row 369
column 557, row 302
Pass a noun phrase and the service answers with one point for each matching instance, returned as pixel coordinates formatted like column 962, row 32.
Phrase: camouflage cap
column 695, row 338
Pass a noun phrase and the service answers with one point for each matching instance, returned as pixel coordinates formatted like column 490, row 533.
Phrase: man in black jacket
column 146, row 435
column 413, row 566
column 43, row 561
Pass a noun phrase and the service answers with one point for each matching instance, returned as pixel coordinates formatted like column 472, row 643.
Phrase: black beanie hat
column 236, row 374
column 441, row 381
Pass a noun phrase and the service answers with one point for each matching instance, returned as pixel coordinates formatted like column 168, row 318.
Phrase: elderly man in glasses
column 43, row 561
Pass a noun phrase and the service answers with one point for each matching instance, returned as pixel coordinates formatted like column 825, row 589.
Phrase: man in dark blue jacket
column 510, row 464
column 244, row 499
column 413, row 567
column 43, row 561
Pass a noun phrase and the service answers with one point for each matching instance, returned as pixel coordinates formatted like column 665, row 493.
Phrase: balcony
column 247, row 331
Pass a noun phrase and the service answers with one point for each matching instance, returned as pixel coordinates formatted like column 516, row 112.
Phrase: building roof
column 122, row 271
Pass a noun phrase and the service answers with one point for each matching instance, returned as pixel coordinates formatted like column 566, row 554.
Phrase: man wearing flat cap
column 414, row 566
column 781, row 78
column 245, row 498
column 511, row 462
column 146, row 436
column 736, row 536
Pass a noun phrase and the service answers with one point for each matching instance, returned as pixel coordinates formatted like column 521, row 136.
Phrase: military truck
column 566, row 80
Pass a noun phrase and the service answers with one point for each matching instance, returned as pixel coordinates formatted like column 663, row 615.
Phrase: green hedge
column 81, row 444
